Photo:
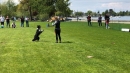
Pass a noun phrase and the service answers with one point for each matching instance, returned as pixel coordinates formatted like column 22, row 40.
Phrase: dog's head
column 38, row 26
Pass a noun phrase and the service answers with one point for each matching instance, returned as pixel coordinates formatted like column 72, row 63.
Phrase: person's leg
column 56, row 38
column 21, row 24
column 88, row 23
column 9, row 24
column 99, row 23
column 2, row 23
column 106, row 26
column 59, row 35
column 26, row 23
column 56, row 33
column 105, row 23
column 6, row 24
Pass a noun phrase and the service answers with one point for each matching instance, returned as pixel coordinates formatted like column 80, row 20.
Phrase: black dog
column 38, row 32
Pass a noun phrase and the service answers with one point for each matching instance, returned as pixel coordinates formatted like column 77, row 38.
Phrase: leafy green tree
column 106, row 11
column 8, row 8
column 89, row 12
column 50, row 7
column 63, row 6
column 112, row 12
column 79, row 13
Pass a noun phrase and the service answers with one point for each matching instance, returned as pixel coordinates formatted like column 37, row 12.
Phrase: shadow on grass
column 67, row 42
column 50, row 41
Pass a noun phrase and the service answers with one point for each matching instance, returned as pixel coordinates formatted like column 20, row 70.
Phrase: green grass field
column 108, row 49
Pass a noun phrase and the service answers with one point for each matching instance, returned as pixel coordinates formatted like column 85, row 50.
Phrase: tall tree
column 63, row 6
column 8, row 8
column 89, row 12
column 49, row 7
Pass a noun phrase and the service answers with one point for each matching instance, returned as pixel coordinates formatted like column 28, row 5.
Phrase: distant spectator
column 8, row 21
column 22, row 21
column 14, row 18
column 27, row 21
column 89, row 20
column 2, row 21
column 77, row 18
column 100, row 20
column 107, row 19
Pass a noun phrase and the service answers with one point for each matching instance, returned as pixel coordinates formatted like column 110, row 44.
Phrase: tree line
column 110, row 11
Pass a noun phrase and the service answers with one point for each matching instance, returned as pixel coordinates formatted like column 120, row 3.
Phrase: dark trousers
column 22, row 24
column 100, row 23
column 89, row 23
column 57, row 32
column 8, row 24
column 27, row 23
column 2, row 23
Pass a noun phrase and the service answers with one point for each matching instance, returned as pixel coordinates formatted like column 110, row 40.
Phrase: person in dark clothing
column 89, row 20
column 38, row 32
column 107, row 19
column 8, row 22
column 100, row 20
column 57, row 30
column 22, row 21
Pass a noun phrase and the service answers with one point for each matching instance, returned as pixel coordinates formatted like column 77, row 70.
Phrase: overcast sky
column 100, row 5
column 97, row 5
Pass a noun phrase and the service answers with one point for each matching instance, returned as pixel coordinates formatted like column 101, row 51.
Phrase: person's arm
column 54, row 23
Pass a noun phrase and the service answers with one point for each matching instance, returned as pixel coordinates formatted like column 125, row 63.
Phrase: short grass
column 108, row 49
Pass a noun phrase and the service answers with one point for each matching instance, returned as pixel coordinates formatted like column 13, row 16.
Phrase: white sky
column 97, row 5
column 100, row 5
column 16, row 1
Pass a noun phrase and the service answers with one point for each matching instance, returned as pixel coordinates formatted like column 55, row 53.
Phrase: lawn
column 84, row 49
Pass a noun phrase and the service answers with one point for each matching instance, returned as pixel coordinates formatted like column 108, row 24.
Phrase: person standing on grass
column 8, row 21
column 107, row 19
column 22, row 21
column 100, row 20
column 57, row 29
column 2, row 21
column 27, row 21
column 89, row 20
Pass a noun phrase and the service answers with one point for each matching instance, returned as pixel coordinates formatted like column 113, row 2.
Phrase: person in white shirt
column 27, row 21
column 2, row 20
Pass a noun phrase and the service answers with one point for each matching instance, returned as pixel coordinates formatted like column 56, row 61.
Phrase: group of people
column 26, row 19
column 107, row 19
column 7, row 20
